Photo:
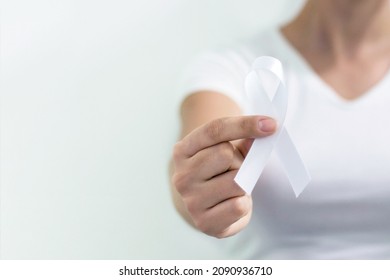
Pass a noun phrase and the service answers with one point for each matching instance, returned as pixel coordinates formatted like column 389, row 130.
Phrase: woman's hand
column 205, row 164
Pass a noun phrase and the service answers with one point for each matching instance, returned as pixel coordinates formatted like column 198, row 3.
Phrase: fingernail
column 267, row 125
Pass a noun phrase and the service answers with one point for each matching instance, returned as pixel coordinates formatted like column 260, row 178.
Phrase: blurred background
column 89, row 112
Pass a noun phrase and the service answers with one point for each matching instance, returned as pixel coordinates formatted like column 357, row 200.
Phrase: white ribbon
column 266, row 90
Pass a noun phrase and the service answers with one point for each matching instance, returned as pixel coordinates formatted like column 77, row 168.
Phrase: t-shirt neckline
column 296, row 59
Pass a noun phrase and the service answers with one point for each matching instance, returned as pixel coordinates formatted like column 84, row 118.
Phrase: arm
column 196, row 110
column 205, row 161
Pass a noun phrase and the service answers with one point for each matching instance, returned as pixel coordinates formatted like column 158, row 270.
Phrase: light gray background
column 89, row 116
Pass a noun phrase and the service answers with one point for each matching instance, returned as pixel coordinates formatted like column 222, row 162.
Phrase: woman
column 336, row 55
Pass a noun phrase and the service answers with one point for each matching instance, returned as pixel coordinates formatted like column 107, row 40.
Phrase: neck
column 341, row 26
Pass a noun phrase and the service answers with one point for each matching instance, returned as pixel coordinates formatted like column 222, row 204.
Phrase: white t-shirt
column 344, row 213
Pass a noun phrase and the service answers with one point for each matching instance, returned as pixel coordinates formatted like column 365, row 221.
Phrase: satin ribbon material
column 266, row 90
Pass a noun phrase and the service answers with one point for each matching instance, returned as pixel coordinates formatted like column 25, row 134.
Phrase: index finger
column 227, row 129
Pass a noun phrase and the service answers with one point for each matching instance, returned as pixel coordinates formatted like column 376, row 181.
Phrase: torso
column 344, row 212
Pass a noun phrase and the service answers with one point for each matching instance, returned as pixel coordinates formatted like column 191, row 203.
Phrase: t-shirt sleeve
column 223, row 72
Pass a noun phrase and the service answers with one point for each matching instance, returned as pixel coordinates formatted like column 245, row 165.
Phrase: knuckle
column 181, row 181
column 228, row 231
column 241, row 206
column 192, row 207
column 246, row 124
column 201, row 224
column 225, row 152
column 221, row 235
column 178, row 150
column 204, row 226
column 214, row 129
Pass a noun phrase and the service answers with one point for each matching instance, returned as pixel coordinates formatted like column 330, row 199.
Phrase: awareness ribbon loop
column 266, row 90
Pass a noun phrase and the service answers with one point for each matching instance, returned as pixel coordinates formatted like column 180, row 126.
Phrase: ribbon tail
column 292, row 163
column 254, row 163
